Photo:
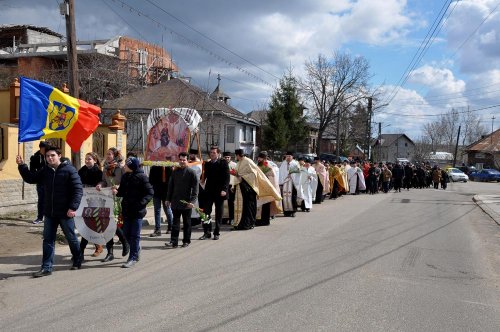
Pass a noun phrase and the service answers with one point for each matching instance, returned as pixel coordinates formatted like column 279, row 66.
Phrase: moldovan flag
column 46, row 112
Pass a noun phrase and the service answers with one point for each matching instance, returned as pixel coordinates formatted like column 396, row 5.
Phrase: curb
column 488, row 210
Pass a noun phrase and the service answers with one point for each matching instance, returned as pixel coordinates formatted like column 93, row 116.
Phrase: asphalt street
column 419, row 260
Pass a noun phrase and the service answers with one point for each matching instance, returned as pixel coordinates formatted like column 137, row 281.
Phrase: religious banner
column 169, row 133
column 95, row 219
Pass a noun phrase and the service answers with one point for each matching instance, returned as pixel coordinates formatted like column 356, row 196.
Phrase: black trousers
column 335, row 189
column 176, row 226
column 249, row 209
column 121, row 237
column 319, row 193
column 210, row 200
column 230, row 202
column 265, row 215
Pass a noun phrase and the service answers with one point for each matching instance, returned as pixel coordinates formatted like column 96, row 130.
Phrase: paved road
column 423, row 260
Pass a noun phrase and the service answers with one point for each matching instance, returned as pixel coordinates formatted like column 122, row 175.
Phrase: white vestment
column 307, row 187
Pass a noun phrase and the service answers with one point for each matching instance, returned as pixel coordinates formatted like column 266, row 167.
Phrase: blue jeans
column 40, row 204
column 49, row 238
column 132, row 229
column 157, row 204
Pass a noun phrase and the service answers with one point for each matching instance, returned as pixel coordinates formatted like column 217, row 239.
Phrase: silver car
column 457, row 175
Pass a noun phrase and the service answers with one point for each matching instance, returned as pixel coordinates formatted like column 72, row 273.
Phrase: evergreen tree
column 285, row 124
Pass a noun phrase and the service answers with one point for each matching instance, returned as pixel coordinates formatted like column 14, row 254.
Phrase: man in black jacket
column 63, row 192
column 37, row 162
column 216, row 179
column 136, row 192
column 181, row 196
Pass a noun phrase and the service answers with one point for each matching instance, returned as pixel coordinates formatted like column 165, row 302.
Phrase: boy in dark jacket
column 136, row 192
column 63, row 192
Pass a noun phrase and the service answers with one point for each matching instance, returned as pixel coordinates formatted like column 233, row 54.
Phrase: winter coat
column 90, row 176
column 37, row 162
column 386, row 175
column 160, row 187
column 436, row 175
column 136, row 192
column 62, row 187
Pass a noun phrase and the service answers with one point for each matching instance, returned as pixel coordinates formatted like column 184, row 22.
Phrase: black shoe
column 155, row 233
column 170, row 245
column 76, row 267
column 42, row 273
column 292, row 215
column 216, row 237
column 185, row 245
column 205, row 236
column 109, row 257
column 126, row 249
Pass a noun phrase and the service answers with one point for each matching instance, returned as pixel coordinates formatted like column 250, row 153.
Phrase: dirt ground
column 18, row 234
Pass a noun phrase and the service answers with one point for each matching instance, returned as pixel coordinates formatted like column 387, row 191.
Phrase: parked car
column 331, row 157
column 456, row 175
column 485, row 175
column 467, row 169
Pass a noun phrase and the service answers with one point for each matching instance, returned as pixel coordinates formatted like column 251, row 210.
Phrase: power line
column 475, row 30
column 211, row 39
column 441, row 114
column 193, row 43
column 423, row 45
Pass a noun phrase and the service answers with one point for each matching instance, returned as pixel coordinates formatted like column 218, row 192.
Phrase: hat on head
column 132, row 163
column 226, row 154
column 316, row 158
column 289, row 153
column 239, row 152
column 263, row 154
column 193, row 151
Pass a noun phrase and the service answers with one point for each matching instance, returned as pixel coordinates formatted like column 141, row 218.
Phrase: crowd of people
column 241, row 193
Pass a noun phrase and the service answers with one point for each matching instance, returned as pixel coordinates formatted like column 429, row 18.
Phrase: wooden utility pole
column 492, row 123
column 74, row 89
column 68, row 10
column 456, row 148
column 369, row 129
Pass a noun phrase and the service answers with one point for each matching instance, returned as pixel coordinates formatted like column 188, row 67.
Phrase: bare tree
column 332, row 83
column 472, row 127
column 434, row 131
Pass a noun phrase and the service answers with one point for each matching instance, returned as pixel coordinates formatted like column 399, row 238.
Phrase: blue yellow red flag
column 46, row 112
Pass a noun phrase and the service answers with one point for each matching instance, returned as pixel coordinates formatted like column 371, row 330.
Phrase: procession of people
column 244, row 194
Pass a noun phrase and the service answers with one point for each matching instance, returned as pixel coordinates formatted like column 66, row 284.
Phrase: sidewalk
column 490, row 204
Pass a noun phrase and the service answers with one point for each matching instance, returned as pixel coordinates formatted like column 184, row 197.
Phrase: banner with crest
column 95, row 219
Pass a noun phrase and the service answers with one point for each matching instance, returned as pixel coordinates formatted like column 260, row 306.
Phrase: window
column 406, row 144
column 230, row 134
column 244, row 129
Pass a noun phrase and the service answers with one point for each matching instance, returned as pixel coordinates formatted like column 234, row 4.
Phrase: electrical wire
column 193, row 43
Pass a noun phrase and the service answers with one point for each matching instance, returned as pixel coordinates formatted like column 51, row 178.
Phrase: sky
column 252, row 44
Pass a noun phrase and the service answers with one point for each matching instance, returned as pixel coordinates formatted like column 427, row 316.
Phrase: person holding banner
column 111, row 177
column 91, row 175
column 136, row 192
column 63, row 193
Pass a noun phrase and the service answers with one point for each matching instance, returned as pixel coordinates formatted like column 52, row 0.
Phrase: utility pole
column 456, row 148
column 68, row 10
column 337, row 148
column 492, row 122
column 379, row 141
column 369, row 127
